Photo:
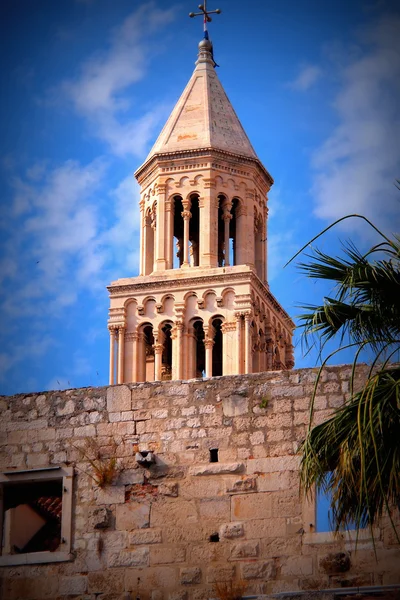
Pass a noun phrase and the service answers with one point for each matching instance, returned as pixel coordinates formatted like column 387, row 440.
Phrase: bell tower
column 201, row 305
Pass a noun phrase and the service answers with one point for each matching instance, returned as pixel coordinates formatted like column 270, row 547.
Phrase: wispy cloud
column 357, row 164
column 99, row 91
column 307, row 77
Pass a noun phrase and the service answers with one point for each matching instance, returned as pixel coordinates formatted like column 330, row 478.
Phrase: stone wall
column 148, row 535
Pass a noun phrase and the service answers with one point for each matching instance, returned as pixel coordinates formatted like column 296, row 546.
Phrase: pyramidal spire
column 203, row 117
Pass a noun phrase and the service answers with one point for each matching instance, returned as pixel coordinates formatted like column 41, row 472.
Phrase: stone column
column 239, row 344
column 179, row 330
column 186, row 214
column 160, row 262
column 208, row 205
column 121, row 348
column 247, row 343
column 135, row 357
column 226, row 217
column 240, row 239
column 158, row 349
column 112, row 356
column 209, row 347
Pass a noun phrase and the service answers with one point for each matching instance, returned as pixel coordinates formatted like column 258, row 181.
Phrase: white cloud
column 99, row 92
column 308, row 75
column 358, row 162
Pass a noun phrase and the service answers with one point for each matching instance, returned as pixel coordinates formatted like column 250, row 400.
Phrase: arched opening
column 177, row 251
column 148, row 347
column 233, row 233
column 200, row 352
column 194, row 224
column 166, row 369
column 217, row 348
column 221, row 231
column 149, row 227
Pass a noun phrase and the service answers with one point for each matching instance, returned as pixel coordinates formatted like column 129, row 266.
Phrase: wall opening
column 166, row 372
column 214, row 537
column 213, row 455
column 194, row 238
column 221, row 231
column 148, row 341
column 200, row 351
column 177, row 251
column 217, row 348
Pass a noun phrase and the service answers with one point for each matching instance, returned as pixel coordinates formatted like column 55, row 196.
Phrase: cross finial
column 206, row 16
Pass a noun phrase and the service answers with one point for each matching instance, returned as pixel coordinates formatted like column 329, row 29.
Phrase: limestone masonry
column 220, row 502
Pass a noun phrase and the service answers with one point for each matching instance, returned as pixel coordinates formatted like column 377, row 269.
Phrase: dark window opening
column 32, row 517
column 217, row 348
column 214, row 537
column 213, row 455
column 194, row 227
column 167, row 352
column 200, row 349
column 178, row 233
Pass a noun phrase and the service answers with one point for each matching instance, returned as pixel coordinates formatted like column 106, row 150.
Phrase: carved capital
column 159, row 308
column 220, row 301
column 140, row 310
column 158, row 348
column 208, row 343
column 186, row 214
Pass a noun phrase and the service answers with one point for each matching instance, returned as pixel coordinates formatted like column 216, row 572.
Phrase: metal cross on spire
column 206, row 16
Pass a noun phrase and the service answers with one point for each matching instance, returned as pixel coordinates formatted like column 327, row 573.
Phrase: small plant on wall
column 230, row 590
column 104, row 469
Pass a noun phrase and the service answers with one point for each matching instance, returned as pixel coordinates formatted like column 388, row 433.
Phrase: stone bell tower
column 201, row 305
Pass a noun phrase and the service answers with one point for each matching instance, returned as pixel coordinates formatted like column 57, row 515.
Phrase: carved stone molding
column 228, row 326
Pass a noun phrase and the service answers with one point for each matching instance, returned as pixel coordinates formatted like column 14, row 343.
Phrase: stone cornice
column 145, row 169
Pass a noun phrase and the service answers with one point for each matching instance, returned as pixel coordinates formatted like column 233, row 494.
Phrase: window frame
column 311, row 536
column 53, row 472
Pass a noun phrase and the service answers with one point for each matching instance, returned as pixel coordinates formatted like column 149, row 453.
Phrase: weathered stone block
column 220, row 573
column 251, row 506
column 109, row 582
column 132, row 515
column 166, row 555
column 145, row 536
column 138, row 557
column 297, row 565
column 273, row 464
column 243, row 485
column 215, row 508
column 231, row 530
column 217, row 469
column 234, row 405
column 335, row 562
column 179, row 514
column 99, row 518
column 168, row 489
column 259, row 570
column 73, row 585
column 190, row 575
column 244, row 550
column 180, row 595
column 118, row 398
column 112, row 494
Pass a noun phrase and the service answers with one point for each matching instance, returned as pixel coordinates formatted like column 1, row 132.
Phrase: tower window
column 213, row 455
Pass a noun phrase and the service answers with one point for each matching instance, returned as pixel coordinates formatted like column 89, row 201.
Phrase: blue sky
column 87, row 86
